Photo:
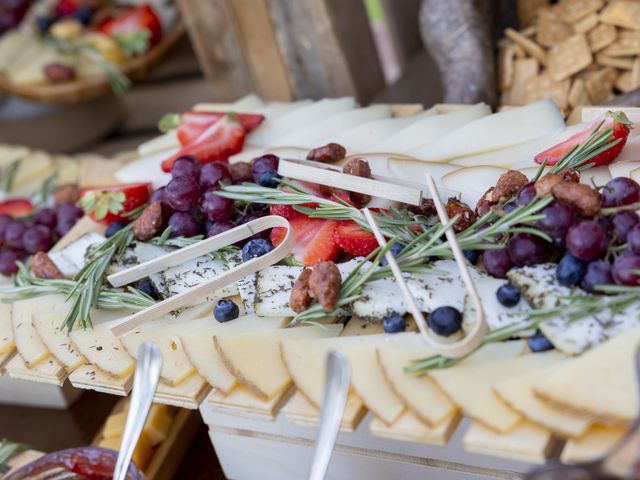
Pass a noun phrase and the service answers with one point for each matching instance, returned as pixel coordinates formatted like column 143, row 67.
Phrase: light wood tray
column 94, row 86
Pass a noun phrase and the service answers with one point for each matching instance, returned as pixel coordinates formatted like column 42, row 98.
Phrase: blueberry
column 539, row 343
column 570, row 270
column 255, row 248
column 394, row 323
column 395, row 250
column 44, row 23
column 471, row 256
column 269, row 179
column 147, row 287
column 508, row 295
column 114, row 228
column 445, row 321
column 83, row 14
column 225, row 310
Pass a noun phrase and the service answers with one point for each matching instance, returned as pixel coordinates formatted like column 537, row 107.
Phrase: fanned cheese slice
column 254, row 358
column 409, row 428
column 494, row 132
column 196, row 338
column 48, row 325
column 175, row 364
column 470, row 387
column 28, row 342
column 601, row 384
column 472, row 182
column 6, row 330
column 157, row 144
column 518, row 393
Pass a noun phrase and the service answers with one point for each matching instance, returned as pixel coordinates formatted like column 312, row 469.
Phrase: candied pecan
column 59, row 73
column 569, row 175
column 149, row 223
column 455, row 207
column 426, row 208
column 324, row 282
column 545, row 184
column 509, row 183
column 300, row 298
column 485, row 203
column 358, row 167
column 360, row 199
column 43, row 267
column 330, row 153
column 584, row 199
column 67, row 193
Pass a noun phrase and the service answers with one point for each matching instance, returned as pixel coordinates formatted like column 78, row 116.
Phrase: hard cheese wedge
column 470, row 387
column 472, row 182
column 254, row 358
column 601, row 384
column 518, row 393
column 6, row 330
column 29, row 344
column 494, row 132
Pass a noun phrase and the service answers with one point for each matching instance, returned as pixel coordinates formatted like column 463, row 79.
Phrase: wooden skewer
column 377, row 186
column 196, row 294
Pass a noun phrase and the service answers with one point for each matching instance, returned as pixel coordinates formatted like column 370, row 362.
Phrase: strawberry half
column 190, row 125
column 314, row 240
column 286, row 211
column 112, row 203
column 16, row 207
column 353, row 239
column 135, row 19
column 621, row 126
column 217, row 143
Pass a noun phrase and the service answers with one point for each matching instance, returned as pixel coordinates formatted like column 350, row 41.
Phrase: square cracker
column 551, row 29
column 573, row 10
column 586, row 24
column 543, row 86
column 627, row 43
column 623, row 82
column 506, row 58
column 578, row 93
column 523, row 70
column 599, row 85
column 615, row 62
column 529, row 46
column 602, row 36
column 528, row 9
column 569, row 57
column 622, row 14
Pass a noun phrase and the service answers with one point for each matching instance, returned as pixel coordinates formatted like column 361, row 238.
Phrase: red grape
column 526, row 194
column 5, row 221
column 497, row 262
column 620, row 191
column 598, row 273
column 558, row 217
column 241, row 172
column 69, row 211
column 217, row 228
column 212, row 174
column 37, row 239
column 215, row 207
column 184, row 224
column 624, row 270
column 182, row 194
column 527, row 249
column 586, row 240
column 186, row 166
column 158, row 195
column 13, row 234
column 8, row 260
column 46, row 217
column 263, row 164
column 633, row 239
column 64, row 225
column 622, row 223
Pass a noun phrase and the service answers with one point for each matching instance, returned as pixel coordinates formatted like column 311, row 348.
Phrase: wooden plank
column 402, row 20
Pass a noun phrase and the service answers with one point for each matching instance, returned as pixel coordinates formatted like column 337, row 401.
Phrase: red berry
column 353, row 239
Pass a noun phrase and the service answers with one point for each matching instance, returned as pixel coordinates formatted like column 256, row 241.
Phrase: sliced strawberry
column 65, row 8
column 112, row 203
column 217, row 143
column 621, row 128
column 135, row 19
column 314, row 240
column 286, row 211
column 193, row 124
column 16, row 207
column 353, row 239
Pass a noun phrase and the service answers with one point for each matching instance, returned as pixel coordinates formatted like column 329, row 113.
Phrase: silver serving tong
column 593, row 469
column 145, row 383
column 336, row 389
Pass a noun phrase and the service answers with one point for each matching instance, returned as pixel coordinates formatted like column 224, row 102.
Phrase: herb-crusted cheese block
column 539, row 285
column 73, row 257
column 273, row 289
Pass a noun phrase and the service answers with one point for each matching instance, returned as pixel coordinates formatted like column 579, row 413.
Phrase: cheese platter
column 551, row 256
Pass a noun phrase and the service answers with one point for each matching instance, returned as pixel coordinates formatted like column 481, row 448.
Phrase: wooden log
column 402, row 18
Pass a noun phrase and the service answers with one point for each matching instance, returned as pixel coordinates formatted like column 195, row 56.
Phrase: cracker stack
column 576, row 52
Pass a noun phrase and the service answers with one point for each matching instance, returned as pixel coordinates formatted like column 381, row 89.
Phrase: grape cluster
column 190, row 205
column 20, row 237
column 11, row 13
column 604, row 249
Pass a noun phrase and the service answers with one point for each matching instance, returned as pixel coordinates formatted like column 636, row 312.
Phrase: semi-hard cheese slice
column 494, row 132
column 601, row 384
column 6, row 330
column 518, row 393
column 409, row 428
column 470, row 387
column 255, row 360
column 28, row 342
column 596, row 443
column 196, row 338
column 472, row 182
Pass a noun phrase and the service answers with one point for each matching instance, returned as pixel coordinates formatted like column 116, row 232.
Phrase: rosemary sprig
column 9, row 175
column 579, row 156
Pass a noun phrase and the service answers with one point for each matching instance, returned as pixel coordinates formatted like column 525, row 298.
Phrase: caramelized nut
column 330, row 153
column 360, row 168
column 149, row 223
column 545, row 184
column 324, row 282
column 43, row 267
column 67, row 193
column 509, row 183
column 300, row 298
column 59, row 73
column 584, row 199
column 427, row 208
column 570, row 175
column 467, row 218
column 485, row 203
